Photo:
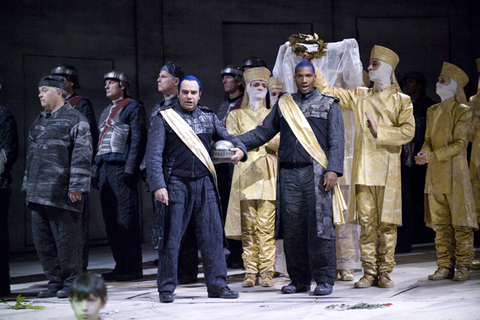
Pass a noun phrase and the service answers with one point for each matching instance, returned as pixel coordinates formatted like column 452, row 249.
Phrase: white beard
column 256, row 96
column 381, row 76
column 447, row 92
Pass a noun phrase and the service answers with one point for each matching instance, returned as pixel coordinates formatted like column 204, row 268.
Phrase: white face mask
column 256, row 95
column 447, row 92
column 273, row 100
column 382, row 75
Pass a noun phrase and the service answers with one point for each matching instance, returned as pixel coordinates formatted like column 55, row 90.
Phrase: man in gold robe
column 474, row 103
column 384, row 121
column 252, row 197
column 450, row 208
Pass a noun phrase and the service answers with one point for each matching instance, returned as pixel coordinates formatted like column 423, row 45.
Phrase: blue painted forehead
column 191, row 78
column 304, row 64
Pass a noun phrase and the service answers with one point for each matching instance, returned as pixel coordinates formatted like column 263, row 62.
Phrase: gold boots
column 267, row 279
column 384, row 280
column 441, row 273
column 250, row 280
column 365, row 281
column 346, row 274
column 461, row 274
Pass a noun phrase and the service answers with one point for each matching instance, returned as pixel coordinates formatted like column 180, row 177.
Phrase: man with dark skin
column 304, row 215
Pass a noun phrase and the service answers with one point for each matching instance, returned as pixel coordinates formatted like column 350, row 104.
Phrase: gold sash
column 188, row 136
column 304, row 133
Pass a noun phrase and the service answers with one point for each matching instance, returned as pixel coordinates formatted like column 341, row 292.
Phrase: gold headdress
column 274, row 84
column 460, row 77
column 259, row 73
column 390, row 57
column 385, row 54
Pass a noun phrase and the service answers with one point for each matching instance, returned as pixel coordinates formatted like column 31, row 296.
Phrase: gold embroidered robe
column 448, row 126
column 376, row 161
column 258, row 174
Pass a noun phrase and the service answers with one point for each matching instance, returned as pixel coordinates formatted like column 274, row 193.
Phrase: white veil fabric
column 341, row 67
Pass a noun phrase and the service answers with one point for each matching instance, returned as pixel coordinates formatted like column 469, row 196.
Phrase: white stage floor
column 413, row 297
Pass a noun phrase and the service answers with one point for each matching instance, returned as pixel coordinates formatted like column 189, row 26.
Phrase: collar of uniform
column 180, row 110
column 74, row 94
column 55, row 114
column 314, row 93
column 389, row 88
column 170, row 102
column 235, row 99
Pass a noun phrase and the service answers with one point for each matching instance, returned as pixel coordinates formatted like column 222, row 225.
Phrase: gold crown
column 260, row 73
column 274, row 84
column 478, row 65
column 454, row 72
column 385, row 54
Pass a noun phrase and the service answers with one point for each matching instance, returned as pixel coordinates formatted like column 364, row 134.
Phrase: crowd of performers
column 273, row 171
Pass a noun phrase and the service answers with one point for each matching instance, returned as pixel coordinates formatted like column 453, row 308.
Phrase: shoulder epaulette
column 206, row 109
column 329, row 96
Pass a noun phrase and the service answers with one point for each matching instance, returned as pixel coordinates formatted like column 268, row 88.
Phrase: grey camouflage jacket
column 59, row 158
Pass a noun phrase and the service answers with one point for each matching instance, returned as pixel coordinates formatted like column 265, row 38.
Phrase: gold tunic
column 258, row 174
column 445, row 144
column 474, row 137
column 376, row 161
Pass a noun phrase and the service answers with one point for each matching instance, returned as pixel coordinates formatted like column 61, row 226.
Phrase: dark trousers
column 57, row 234
column 85, row 232
column 119, row 201
column 224, row 176
column 188, row 255
column 4, row 243
column 196, row 200
column 307, row 255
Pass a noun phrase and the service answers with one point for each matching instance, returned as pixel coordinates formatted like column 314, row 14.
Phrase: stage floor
column 413, row 297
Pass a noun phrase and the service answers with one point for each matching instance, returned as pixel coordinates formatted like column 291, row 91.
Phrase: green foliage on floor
column 20, row 305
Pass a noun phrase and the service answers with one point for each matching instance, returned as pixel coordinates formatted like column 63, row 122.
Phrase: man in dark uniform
column 167, row 82
column 121, row 147
column 84, row 106
column 182, row 177
column 8, row 156
column 304, row 199
column 57, row 175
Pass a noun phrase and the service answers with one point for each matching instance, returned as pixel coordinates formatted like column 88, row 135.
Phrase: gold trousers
column 453, row 243
column 476, row 196
column 258, row 229
column 377, row 239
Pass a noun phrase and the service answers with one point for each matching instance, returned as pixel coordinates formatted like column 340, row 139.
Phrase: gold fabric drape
column 304, row 133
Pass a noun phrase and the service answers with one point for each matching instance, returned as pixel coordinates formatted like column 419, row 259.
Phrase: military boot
column 366, row 281
column 346, row 274
column 462, row 274
column 267, row 279
column 250, row 280
column 441, row 273
column 384, row 281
